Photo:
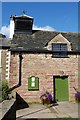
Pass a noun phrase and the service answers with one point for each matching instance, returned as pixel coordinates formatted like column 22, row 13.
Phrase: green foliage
column 4, row 89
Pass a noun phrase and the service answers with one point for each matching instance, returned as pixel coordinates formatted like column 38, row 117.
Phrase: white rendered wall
column 11, row 28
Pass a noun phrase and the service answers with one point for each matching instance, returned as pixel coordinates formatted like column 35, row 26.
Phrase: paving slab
column 35, row 111
column 61, row 110
column 67, row 109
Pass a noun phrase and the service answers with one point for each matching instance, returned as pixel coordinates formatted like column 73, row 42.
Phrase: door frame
column 54, row 86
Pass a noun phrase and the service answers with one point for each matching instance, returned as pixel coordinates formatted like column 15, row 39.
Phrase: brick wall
column 44, row 67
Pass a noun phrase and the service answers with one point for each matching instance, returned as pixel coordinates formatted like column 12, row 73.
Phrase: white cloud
column 5, row 30
column 46, row 28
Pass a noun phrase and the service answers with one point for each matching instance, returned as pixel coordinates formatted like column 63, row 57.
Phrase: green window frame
column 33, row 83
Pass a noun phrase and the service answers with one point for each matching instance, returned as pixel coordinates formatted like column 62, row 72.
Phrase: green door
column 61, row 87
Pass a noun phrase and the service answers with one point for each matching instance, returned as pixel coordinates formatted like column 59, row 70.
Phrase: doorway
column 61, row 88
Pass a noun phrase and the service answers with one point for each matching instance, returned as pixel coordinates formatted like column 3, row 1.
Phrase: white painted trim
column 6, row 78
column 6, row 70
column 7, row 64
column 7, row 74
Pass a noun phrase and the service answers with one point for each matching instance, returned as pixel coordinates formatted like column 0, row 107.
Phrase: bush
column 4, row 89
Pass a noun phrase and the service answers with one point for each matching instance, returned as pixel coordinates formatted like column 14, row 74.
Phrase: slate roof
column 2, row 36
column 5, row 43
column 39, row 39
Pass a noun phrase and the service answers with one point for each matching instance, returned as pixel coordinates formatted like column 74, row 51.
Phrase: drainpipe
column 20, row 67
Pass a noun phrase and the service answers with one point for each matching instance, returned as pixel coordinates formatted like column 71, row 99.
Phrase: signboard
column 33, row 83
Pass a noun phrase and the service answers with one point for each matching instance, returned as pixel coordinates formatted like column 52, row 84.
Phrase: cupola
column 21, row 24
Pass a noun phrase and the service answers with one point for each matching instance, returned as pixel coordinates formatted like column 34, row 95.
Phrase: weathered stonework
column 14, row 70
column 3, row 64
column 44, row 67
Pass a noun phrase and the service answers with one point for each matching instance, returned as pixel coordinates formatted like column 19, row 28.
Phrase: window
column 33, row 83
column 60, row 50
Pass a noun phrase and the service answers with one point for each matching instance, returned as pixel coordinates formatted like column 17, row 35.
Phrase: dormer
column 59, row 39
column 21, row 24
column 59, row 45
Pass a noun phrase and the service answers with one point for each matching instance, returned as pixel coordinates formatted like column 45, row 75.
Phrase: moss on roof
column 39, row 39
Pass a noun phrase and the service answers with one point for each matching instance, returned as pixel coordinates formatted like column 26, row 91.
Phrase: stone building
column 42, row 60
column 4, row 57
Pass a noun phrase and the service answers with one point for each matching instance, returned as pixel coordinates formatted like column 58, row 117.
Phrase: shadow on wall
column 20, row 103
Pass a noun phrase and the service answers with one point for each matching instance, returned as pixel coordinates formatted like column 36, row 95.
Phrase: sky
column 53, row 16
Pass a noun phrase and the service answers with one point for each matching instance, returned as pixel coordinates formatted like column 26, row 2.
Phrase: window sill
column 59, row 57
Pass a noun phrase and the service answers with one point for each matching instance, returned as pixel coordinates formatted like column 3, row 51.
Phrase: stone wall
column 14, row 70
column 44, row 67
column 3, row 64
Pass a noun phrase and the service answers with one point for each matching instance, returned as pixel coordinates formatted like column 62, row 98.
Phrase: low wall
column 9, row 110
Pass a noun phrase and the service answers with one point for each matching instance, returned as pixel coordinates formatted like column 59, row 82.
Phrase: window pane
column 59, row 47
column 56, row 47
column 63, row 47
